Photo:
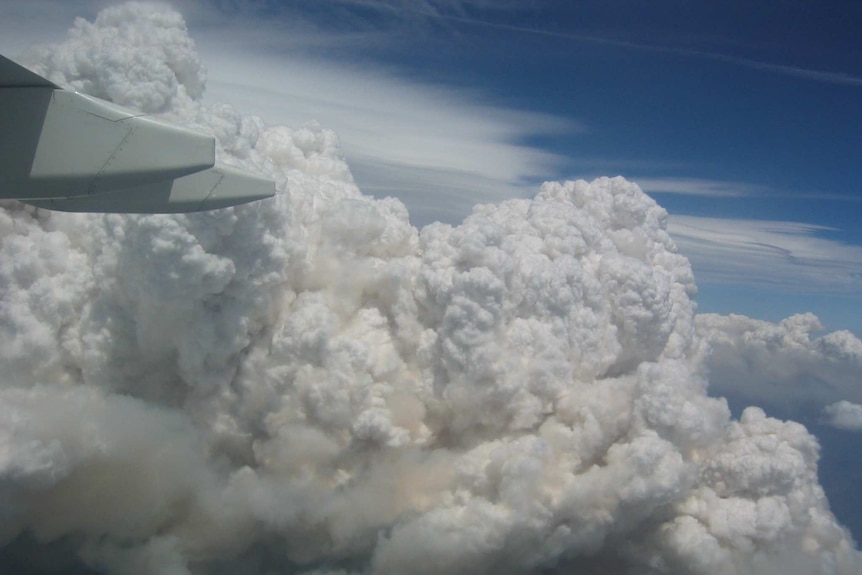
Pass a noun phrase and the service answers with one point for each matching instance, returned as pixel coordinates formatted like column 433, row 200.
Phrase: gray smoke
column 311, row 385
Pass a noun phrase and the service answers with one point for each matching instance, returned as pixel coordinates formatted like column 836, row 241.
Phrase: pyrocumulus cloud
column 310, row 385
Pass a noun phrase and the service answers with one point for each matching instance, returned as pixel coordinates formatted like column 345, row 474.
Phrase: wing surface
column 64, row 150
column 13, row 75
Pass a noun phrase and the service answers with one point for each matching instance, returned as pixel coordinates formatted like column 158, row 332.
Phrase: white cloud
column 844, row 415
column 786, row 256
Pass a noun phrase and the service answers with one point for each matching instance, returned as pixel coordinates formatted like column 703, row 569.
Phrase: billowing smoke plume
column 310, row 385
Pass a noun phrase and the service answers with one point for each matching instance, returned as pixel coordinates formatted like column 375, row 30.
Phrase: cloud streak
column 698, row 187
column 824, row 76
column 393, row 130
column 787, row 256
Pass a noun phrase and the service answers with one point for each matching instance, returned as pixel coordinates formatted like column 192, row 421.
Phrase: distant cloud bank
column 783, row 363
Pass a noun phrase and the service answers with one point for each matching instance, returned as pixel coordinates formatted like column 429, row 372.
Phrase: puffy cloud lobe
column 844, row 415
column 132, row 55
column 758, row 485
column 309, row 384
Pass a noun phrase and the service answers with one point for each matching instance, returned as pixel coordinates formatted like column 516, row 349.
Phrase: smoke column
column 311, row 385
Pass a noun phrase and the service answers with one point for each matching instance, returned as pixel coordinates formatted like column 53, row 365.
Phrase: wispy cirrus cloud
column 725, row 189
column 440, row 150
column 698, row 187
column 827, row 76
column 431, row 10
column 779, row 255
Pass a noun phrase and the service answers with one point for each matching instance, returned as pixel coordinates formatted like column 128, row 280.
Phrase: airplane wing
column 64, row 150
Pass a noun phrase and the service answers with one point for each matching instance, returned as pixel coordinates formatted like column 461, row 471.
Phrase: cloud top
column 310, row 384
column 132, row 55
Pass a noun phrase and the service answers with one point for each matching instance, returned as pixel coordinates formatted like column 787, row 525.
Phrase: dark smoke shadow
column 27, row 556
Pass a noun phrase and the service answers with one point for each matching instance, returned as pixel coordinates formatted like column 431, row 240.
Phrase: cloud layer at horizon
column 788, row 365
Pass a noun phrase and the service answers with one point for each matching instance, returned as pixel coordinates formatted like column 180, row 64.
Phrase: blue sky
column 742, row 120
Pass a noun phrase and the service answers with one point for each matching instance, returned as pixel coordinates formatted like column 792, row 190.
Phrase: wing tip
column 14, row 75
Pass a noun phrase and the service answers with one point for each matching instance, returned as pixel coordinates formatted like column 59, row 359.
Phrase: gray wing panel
column 61, row 144
column 66, row 151
column 13, row 75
